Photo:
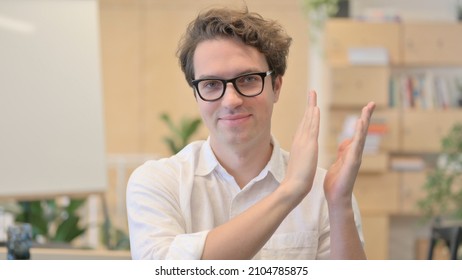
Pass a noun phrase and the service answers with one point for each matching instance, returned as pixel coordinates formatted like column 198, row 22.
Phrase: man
column 238, row 195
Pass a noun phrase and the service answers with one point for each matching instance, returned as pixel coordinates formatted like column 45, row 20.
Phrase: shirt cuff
column 187, row 246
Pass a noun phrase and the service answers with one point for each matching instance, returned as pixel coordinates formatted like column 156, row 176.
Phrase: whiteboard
column 51, row 110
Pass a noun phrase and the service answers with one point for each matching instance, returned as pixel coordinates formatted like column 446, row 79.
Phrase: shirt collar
column 208, row 162
column 276, row 164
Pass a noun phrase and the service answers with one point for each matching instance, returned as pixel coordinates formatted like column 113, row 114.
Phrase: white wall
column 51, row 110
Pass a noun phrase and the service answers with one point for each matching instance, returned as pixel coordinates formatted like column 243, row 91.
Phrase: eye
column 210, row 84
column 249, row 79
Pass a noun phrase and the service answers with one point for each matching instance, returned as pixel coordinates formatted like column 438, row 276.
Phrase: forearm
column 344, row 236
column 243, row 236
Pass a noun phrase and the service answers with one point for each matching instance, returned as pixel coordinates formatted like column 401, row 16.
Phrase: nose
column 232, row 98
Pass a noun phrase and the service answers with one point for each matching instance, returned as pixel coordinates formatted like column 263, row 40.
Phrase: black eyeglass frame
column 263, row 75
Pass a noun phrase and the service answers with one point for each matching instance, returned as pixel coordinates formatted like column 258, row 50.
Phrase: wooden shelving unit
column 382, row 191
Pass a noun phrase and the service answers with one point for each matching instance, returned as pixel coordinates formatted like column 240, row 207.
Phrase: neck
column 243, row 161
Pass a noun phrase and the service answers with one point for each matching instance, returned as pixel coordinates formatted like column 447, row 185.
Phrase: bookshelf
column 419, row 97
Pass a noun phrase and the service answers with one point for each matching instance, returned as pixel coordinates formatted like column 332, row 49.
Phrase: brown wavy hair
column 267, row 36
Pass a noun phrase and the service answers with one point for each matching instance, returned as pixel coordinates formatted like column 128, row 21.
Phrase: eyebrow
column 248, row 71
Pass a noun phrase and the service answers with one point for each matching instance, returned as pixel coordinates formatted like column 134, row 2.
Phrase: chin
column 235, row 139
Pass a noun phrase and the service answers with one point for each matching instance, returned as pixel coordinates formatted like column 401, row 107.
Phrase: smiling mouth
column 234, row 119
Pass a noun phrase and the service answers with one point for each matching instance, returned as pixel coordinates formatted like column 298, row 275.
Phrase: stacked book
column 425, row 90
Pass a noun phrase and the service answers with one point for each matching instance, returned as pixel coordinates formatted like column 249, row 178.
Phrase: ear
column 277, row 88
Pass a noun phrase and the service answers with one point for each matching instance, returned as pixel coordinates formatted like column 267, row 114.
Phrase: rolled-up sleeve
column 187, row 246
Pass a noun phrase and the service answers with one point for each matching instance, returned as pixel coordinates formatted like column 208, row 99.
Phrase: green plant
column 443, row 187
column 52, row 221
column 181, row 133
column 319, row 10
column 326, row 7
column 114, row 238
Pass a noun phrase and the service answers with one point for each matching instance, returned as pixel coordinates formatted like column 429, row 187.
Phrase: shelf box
column 411, row 192
column 374, row 163
column 378, row 193
column 344, row 34
column 432, row 43
column 423, row 130
column 355, row 86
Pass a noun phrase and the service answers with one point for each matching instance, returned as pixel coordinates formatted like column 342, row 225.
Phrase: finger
column 315, row 121
column 362, row 126
column 312, row 103
column 366, row 116
column 314, row 115
column 312, row 98
column 307, row 121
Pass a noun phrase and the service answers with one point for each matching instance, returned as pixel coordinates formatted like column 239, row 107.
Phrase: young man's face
column 235, row 119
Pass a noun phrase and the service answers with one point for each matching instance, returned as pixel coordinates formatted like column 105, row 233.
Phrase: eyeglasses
column 248, row 85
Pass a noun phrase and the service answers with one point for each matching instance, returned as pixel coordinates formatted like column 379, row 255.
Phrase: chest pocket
column 292, row 246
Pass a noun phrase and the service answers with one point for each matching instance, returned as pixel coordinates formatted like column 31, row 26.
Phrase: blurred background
column 89, row 90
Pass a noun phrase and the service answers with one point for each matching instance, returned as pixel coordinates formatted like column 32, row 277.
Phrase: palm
column 304, row 152
column 341, row 176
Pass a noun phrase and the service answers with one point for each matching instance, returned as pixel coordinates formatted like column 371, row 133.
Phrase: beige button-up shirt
column 173, row 203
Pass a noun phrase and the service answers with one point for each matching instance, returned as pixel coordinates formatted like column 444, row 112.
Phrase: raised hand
column 341, row 176
column 345, row 242
column 304, row 151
